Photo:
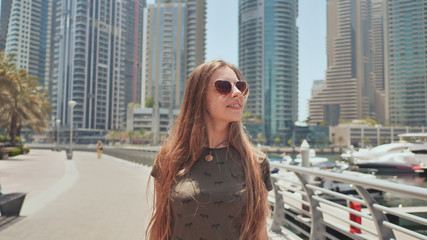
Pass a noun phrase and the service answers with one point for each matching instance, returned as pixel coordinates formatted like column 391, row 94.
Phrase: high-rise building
column 354, row 86
column 406, row 62
column 268, row 59
column 28, row 34
column 132, row 27
column 96, row 43
column 4, row 21
column 174, row 38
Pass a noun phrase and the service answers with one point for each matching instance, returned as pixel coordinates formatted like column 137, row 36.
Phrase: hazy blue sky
column 222, row 41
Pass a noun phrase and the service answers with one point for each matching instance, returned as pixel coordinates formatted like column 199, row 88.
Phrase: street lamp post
column 58, row 121
column 70, row 150
column 53, row 133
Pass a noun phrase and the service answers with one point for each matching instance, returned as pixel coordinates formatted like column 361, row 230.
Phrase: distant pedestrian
column 210, row 181
column 99, row 148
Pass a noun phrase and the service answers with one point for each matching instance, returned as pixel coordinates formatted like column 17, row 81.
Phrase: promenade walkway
column 83, row 198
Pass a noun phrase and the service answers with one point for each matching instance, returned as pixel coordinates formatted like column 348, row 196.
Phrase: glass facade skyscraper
column 268, row 59
column 406, row 61
column 28, row 34
column 165, row 54
column 4, row 21
column 90, row 59
column 174, row 46
column 132, row 27
column 174, row 38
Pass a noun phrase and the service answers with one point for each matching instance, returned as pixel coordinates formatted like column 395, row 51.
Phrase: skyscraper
column 354, row 78
column 174, row 41
column 4, row 21
column 406, row 61
column 132, row 27
column 96, row 42
column 175, row 45
column 268, row 59
column 28, row 35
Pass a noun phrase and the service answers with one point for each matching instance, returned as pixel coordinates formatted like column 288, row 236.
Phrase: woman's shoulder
column 262, row 157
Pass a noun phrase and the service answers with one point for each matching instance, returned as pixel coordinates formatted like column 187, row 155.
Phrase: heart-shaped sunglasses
column 224, row 87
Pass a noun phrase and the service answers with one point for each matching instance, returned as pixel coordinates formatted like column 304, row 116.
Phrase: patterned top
column 208, row 202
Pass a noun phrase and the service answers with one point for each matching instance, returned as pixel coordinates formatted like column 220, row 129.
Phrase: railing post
column 379, row 217
column 279, row 213
column 317, row 226
column 305, row 149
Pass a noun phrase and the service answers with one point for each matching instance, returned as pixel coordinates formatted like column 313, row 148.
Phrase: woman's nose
column 235, row 91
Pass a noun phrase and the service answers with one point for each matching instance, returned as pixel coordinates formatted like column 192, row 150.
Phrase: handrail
column 411, row 191
column 326, row 216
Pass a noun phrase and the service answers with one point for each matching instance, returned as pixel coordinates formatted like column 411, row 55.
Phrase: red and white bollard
column 358, row 207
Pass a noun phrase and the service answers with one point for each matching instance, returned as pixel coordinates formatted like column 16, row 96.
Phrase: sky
column 222, row 41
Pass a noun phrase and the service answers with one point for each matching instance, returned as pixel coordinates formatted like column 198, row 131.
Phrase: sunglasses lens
column 242, row 86
column 223, row 87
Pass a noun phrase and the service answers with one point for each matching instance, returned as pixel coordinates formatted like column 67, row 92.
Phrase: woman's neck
column 217, row 135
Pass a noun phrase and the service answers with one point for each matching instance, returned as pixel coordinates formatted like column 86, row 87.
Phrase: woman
column 99, row 149
column 210, row 182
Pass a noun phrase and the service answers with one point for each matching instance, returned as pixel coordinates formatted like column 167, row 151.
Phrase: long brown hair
column 185, row 145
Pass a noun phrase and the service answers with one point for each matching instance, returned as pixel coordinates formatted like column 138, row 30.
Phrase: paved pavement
column 83, row 198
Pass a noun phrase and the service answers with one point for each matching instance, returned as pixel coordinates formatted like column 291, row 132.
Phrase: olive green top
column 208, row 202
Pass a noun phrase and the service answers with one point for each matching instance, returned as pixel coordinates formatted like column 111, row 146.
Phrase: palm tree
column 260, row 138
column 24, row 104
column 277, row 141
column 6, row 87
column 130, row 135
column 30, row 107
column 113, row 136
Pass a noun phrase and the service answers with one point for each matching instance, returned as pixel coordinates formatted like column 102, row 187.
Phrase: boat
column 376, row 152
column 313, row 160
column 399, row 157
column 402, row 162
column 418, row 146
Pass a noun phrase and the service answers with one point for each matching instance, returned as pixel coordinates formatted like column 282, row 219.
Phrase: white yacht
column 409, row 152
column 418, row 146
column 401, row 162
column 376, row 152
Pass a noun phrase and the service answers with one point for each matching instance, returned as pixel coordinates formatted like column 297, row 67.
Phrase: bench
column 11, row 204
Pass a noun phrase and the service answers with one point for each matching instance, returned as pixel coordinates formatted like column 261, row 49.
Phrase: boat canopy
column 413, row 137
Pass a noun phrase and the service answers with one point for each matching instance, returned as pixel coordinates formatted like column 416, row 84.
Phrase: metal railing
column 314, row 212
column 141, row 155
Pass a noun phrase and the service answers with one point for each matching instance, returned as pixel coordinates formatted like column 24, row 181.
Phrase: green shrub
column 27, row 149
column 1, row 138
column 14, row 152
